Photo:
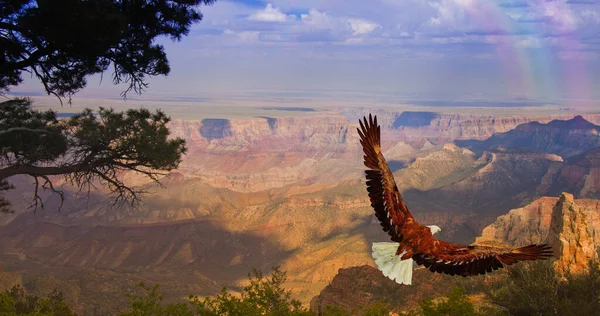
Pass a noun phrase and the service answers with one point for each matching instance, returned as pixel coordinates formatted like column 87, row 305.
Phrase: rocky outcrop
column 571, row 226
column 358, row 287
column 9, row 279
column 580, row 174
column 570, row 236
column 531, row 223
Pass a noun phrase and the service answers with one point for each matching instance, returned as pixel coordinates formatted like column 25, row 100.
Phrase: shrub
column 263, row 296
column 537, row 289
column 455, row 303
column 17, row 302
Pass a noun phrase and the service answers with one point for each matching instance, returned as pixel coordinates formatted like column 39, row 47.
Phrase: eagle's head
column 434, row 229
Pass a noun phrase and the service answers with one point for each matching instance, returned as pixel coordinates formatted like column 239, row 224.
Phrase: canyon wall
column 531, row 223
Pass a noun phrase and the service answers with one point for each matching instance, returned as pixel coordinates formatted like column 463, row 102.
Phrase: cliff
column 260, row 153
column 444, row 126
column 357, row 287
column 9, row 279
column 579, row 174
column 565, row 138
column 531, row 223
column 570, row 236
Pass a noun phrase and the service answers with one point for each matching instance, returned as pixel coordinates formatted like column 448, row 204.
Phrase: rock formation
column 570, row 236
column 9, row 279
column 571, row 226
column 358, row 287
column 565, row 138
column 531, row 223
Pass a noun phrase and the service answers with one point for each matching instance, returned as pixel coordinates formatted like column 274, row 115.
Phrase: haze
column 381, row 50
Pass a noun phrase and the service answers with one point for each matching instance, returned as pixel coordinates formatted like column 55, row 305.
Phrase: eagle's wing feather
column 383, row 192
column 464, row 260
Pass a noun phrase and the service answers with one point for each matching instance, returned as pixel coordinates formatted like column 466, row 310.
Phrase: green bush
column 16, row 302
column 334, row 310
column 150, row 303
column 377, row 309
column 455, row 303
column 263, row 296
column 537, row 289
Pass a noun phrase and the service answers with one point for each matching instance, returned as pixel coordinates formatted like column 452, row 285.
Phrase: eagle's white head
column 434, row 229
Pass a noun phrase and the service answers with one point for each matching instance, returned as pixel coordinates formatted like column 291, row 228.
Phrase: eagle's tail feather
column 390, row 264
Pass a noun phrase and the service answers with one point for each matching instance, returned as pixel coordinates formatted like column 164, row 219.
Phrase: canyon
column 288, row 190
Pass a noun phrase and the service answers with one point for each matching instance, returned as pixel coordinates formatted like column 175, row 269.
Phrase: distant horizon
column 444, row 50
column 298, row 96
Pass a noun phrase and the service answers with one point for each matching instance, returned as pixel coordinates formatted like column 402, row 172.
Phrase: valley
column 288, row 189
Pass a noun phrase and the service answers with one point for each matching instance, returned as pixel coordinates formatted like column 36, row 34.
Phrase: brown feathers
column 480, row 259
column 384, row 195
column 395, row 219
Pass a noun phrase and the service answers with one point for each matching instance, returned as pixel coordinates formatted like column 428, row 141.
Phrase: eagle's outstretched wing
column 455, row 259
column 383, row 192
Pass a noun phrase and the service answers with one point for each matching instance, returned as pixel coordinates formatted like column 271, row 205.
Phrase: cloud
column 317, row 19
column 270, row 14
column 422, row 28
column 583, row 1
column 244, row 36
column 529, row 42
column 590, row 15
column 514, row 4
column 361, row 27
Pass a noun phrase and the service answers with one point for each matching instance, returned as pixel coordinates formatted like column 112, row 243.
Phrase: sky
column 420, row 49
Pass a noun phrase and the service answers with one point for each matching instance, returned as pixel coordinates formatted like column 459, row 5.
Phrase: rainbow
column 530, row 66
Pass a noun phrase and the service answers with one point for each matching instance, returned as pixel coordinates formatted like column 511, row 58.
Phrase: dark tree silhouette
column 63, row 42
column 87, row 149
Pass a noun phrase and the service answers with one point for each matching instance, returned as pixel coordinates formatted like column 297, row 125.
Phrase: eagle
column 412, row 241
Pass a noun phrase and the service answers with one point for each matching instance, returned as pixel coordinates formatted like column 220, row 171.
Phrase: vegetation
column 455, row 303
column 537, row 289
column 63, row 42
column 16, row 302
column 87, row 149
column 527, row 289
column 263, row 296
column 378, row 308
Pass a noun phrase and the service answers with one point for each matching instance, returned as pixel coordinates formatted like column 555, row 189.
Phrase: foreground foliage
column 455, row 303
column 17, row 302
column 537, row 289
column 527, row 289
column 263, row 296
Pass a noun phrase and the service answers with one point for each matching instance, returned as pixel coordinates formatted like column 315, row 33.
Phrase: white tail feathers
column 392, row 267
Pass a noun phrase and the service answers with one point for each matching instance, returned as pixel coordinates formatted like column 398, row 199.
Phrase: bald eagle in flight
column 412, row 241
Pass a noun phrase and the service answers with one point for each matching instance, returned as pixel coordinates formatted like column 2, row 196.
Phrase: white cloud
column 243, row 36
column 271, row 14
column 361, row 27
column 317, row 19
column 449, row 12
column 591, row 15
column 420, row 25
column 561, row 13
column 529, row 42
